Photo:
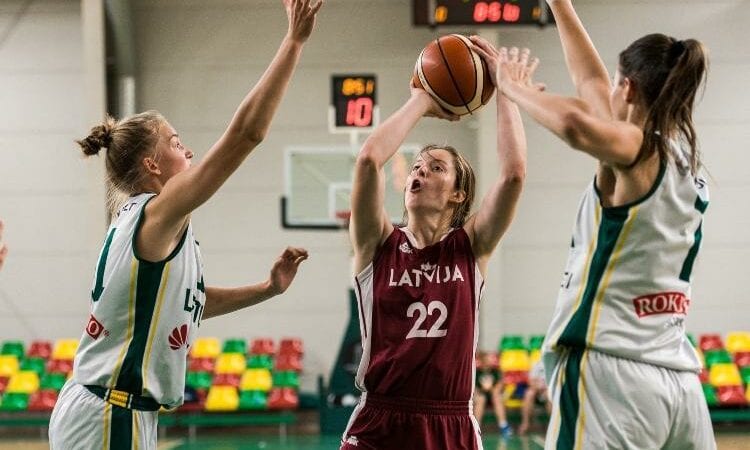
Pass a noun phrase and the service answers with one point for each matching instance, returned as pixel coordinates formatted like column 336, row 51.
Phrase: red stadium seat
column 283, row 398
column 515, row 377
column 195, row 400
column 262, row 346
column 742, row 359
column 710, row 342
column 291, row 345
column 703, row 376
column 201, row 364
column 227, row 379
column 286, row 362
column 43, row 400
column 4, row 384
column 60, row 366
column 40, row 349
column 731, row 396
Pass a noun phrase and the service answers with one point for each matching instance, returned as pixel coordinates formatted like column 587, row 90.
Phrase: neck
column 637, row 115
column 428, row 229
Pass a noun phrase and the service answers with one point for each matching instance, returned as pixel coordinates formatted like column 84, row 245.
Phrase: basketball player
column 419, row 287
column 3, row 247
column 149, row 294
column 621, row 370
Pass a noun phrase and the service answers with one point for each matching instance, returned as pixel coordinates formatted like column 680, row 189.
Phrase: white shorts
column 81, row 420
column 604, row 402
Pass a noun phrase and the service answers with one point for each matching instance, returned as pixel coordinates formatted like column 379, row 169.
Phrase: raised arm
column 184, row 192
column 498, row 207
column 369, row 224
column 586, row 67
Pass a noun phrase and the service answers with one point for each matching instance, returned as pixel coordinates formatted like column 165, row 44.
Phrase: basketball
column 453, row 74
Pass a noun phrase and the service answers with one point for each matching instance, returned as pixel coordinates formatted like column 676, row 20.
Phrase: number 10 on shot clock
column 353, row 103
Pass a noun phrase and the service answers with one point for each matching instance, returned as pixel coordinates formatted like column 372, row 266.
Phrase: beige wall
column 196, row 61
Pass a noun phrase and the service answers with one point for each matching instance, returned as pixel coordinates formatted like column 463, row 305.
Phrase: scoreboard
column 480, row 12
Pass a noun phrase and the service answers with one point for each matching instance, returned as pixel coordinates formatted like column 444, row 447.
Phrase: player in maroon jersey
column 418, row 287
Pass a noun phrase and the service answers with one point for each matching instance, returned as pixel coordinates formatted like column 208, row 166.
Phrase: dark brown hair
column 465, row 181
column 127, row 142
column 667, row 74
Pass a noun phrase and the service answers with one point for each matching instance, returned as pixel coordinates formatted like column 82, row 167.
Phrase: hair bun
column 99, row 137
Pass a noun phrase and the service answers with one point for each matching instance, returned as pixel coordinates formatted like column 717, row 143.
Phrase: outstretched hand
column 515, row 68
column 301, row 15
column 285, row 269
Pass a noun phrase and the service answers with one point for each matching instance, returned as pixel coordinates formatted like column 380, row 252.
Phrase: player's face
column 431, row 181
column 171, row 156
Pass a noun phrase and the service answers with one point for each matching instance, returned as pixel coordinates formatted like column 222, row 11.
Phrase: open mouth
column 416, row 185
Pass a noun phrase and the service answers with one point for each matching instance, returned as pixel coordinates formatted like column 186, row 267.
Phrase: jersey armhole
column 137, row 228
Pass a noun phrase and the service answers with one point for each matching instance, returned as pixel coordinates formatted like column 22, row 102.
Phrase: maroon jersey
column 418, row 318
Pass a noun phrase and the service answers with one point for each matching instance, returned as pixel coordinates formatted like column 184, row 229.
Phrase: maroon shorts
column 382, row 423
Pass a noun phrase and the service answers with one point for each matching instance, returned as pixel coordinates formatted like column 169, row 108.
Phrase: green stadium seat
column 710, row 393
column 512, row 342
column 23, row 382
column 34, row 364
column 286, row 379
column 745, row 375
column 260, row 362
column 222, row 398
column 52, row 381
column 199, row 380
column 230, row 363
column 253, row 400
column 717, row 357
column 13, row 348
column 738, row 341
column 256, row 380
column 234, row 346
column 14, row 402
column 535, row 342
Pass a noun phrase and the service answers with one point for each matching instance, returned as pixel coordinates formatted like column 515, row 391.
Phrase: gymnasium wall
column 197, row 59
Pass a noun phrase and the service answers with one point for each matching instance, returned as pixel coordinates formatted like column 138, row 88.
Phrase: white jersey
column 144, row 315
column 626, row 288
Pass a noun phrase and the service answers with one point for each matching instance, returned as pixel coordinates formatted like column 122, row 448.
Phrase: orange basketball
column 455, row 75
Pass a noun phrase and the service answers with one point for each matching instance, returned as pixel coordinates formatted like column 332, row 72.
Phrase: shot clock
column 354, row 102
column 480, row 12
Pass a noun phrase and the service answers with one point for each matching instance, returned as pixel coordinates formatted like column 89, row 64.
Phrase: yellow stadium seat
column 24, row 382
column 514, row 360
column 536, row 355
column 508, row 394
column 8, row 365
column 747, row 393
column 233, row 363
column 256, row 380
column 738, row 341
column 724, row 374
column 205, row 348
column 222, row 398
column 65, row 349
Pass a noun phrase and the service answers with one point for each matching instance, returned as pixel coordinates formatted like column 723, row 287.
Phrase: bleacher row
column 725, row 376
column 220, row 377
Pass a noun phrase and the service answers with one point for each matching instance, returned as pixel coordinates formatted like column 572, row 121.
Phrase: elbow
column 367, row 158
column 515, row 175
column 571, row 129
column 254, row 137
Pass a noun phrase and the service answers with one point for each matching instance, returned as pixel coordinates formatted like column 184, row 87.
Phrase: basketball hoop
column 342, row 217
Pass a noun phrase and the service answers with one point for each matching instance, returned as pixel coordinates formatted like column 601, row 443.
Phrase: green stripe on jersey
column 569, row 402
column 121, row 437
column 610, row 227
column 96, row 293
column 147, row 288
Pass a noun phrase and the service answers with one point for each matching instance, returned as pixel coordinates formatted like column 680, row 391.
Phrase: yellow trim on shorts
column 107, row 420
column 581, row 401
column 131, row 320
column 613, row 260
column 585, row 276
column 135, row 430
column 560, row 381
column 154, row 325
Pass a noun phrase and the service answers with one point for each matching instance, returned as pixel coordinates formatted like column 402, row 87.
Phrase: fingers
column 483, row 44
column 513, row 54
column 532, row 67
column 502, row 55
column 524, row 56
column 317, row 7
column 292, row 253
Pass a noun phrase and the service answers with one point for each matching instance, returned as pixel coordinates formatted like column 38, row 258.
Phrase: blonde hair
column 127, row 142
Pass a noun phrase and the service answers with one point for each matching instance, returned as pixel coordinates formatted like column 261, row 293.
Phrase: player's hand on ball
column 516, row 68
column 433, row 107
column 285, row 269
column 301, row 15
column 489, row 54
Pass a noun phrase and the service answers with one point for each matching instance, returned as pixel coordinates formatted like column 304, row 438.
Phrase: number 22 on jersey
column 422, row 312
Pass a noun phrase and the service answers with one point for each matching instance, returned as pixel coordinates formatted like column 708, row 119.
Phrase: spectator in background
column 536, row 392
column 489, row 389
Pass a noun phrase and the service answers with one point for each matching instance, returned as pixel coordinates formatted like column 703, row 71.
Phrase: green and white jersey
column 626, row 287
column 144, row 315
